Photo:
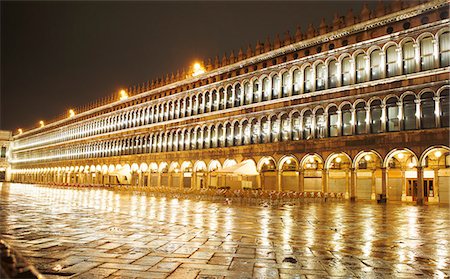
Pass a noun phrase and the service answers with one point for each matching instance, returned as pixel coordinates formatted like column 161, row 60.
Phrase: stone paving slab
column 97, row 233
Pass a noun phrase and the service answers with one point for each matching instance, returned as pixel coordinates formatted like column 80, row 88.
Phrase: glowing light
column 401, row 156
column 411, row 165
column 20, row 131
column 198, row 69
column 41, row 123
column 71, row 113
column 338, row 160
column 123, row 95
column 367, row 157
column 311, row 159
column 438, row 154
column 288, row 161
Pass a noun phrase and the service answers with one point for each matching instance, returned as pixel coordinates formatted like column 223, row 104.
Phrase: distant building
column 5, row 169
column 358, row 107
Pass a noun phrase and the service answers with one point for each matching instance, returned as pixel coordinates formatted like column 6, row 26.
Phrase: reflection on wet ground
column 97, row 233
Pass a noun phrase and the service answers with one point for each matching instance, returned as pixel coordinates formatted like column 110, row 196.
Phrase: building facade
column 5, row 168
column 360, row 107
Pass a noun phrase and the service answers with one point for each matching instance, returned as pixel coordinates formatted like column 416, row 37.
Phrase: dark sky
column 58, row 55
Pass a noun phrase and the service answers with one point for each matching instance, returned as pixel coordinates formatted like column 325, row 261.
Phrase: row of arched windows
column 393, row 113
column 410, row 55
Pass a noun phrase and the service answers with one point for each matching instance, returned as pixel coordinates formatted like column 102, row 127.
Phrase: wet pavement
column 98, row 233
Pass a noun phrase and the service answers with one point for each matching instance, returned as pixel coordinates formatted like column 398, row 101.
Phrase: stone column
column 181, row 180
column 418, row 113
column 352, row 184
column 159, row 179
column 169, row 179
column 420, row 195
column 367, row 119
column 301, row 181
column 437, row 114
column 279, row 186
column 383, row 118
column 347, row 185
column 383, row 183
column 436, row 185
column 403, row 185
column 324, row 181
column 373, row 186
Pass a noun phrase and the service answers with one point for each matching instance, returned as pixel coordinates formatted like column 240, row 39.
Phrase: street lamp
column 41, row 123
column 197, row 69
column 123, row 95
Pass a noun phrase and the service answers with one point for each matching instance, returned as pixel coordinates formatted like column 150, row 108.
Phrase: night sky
column 59, row 55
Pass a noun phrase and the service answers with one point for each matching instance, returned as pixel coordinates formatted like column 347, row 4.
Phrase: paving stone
column 65, row 233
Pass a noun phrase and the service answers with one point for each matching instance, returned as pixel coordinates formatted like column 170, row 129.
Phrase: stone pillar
column 261, row 175
column 181, row 180
column 418, row 113
column 301, row 181
column 352, row 184
column 347, row 185
column 169, row 179
column 159, row 180
column 324, row 181
column 373, row 186
column 279, row 186
column 403, row 185
column 436, row 185
column 420, row 195
column 383, row 118
column 383, row 184
column 437, row 114
column 140, row 179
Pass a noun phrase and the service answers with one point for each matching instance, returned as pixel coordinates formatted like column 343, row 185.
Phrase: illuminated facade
column 5, row 141
column 360, row 108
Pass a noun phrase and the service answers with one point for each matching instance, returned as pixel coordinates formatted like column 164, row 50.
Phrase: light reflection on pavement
column 99, row 233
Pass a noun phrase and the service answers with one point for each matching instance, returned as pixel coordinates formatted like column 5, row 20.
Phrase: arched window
column 285, row 127
column 320, row 76
column 375, row 115
column 346, row 71
column 427, row 115
column 391, row 61
column 375, row 64
column 409, row 112
column 255, row 92
column 307, row 125
column 237, row 95
column 333, row 122
column 392, row 110
column 207, row 102
column 346, row 120
column 215, row 100
column 426, row 54
column 274, row 129
column 320, row 124
column 229, row 97
column 265, row 89
column 445, row 109
column 360, row 68
column 265, row 130
column 286, row 80
column 360, row 118
column 194, row 105
column 236, row 134
column 444, row 49
column 247, row 94
column 201, row 105
column 222, row 99
column 296, row 126
column 308, row 79
column 256, row 131
column 409, row 64
column 332, row 74
column 296, row 84
column 275, row 87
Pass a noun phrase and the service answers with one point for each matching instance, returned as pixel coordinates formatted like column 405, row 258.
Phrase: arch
column 335, row 155
column 363, row 155
column 307, row 159
column 214, row 165
column 200, row 166
column 432, row 149
column 186, row 165
column 288, row 159
column 163, row 167
column 264, row 161
column 229, row 163
column 395, row 153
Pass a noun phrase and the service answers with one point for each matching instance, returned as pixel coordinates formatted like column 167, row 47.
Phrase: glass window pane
column 444, row 49
column 333, row 124
column 360, row 68
column 346, row 71
column 426, row 54
column 391, row 61
column 375, row 65
column 409, row 65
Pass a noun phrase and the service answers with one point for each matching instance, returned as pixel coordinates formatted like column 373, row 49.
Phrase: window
column 375, row 115
column 308, row 79
column 360, row 68
column 296, row 126
column 409, row 65
column 346, row 71
column 375, row 65
column 444, row 49
column 320, row 124
column 445, row 109
column 3, row 152
column 266, row 89
column 307, row 125
column 285, row 84
column 360, row 118
column 427, row 118
column 409, row 112
column 296, row 83
column 237, row 95
column 275, row 87
column 320, row 76
column 255, row 91
column 391, row 61
column 332, row 74
column 333, row 122
column 426, row 54
column 346, row 120
column 393, row 123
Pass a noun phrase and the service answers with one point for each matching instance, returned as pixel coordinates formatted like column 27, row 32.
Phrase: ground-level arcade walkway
column 99, row 233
